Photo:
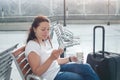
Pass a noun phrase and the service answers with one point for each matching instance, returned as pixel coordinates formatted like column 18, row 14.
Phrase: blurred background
column 78, row 16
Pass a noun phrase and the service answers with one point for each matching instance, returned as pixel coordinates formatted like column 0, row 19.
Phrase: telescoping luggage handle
column 103, row 39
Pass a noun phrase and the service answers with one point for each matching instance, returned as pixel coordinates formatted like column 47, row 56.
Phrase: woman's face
column 42, row 31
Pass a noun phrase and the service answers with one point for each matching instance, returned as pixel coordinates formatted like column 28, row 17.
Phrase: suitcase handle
column 103, row 39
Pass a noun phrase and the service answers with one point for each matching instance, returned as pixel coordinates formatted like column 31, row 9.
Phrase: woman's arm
column 62, row 60
column 66, row 60
column 34, row 61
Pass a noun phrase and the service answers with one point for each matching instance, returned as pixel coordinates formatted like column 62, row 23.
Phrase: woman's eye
column 43, row 29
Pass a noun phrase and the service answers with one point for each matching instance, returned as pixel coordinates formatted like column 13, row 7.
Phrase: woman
column 45, row 61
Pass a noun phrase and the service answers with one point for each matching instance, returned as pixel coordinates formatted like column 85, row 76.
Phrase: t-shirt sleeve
column 32, row 46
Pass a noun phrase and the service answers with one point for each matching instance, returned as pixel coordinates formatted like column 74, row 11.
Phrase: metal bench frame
column 5, row 63
column 65, row 37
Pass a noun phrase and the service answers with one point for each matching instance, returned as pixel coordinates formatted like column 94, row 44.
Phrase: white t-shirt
column 44, row 52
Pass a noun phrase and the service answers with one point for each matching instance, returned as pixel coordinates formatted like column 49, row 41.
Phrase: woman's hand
column 76, row 59
column 56, row 53
column 73, row 58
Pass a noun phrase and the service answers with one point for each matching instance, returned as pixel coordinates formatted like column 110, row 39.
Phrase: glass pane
column 53, row 8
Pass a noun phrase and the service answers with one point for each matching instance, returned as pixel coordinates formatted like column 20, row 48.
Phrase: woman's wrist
column 70, row 59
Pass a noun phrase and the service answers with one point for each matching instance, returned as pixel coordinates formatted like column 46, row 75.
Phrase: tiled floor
column 85, row 32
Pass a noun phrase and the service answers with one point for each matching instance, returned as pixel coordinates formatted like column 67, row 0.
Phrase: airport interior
column 77, row 19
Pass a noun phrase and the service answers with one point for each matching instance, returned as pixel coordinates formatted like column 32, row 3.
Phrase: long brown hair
column 35, row 24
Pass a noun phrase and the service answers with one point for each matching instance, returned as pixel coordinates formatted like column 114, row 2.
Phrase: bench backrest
column 22, row 63
column 5, row 63
column 65, row 37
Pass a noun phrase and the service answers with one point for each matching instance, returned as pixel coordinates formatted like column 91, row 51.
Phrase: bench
column 65, row 37
column 23, row 65
column 5, row 63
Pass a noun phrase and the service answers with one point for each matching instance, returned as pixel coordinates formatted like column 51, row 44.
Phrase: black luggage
column 105, row 64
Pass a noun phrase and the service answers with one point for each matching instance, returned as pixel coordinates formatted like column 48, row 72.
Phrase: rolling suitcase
column 105, row 64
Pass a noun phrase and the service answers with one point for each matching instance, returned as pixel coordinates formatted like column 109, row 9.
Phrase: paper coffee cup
column 80, row 57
